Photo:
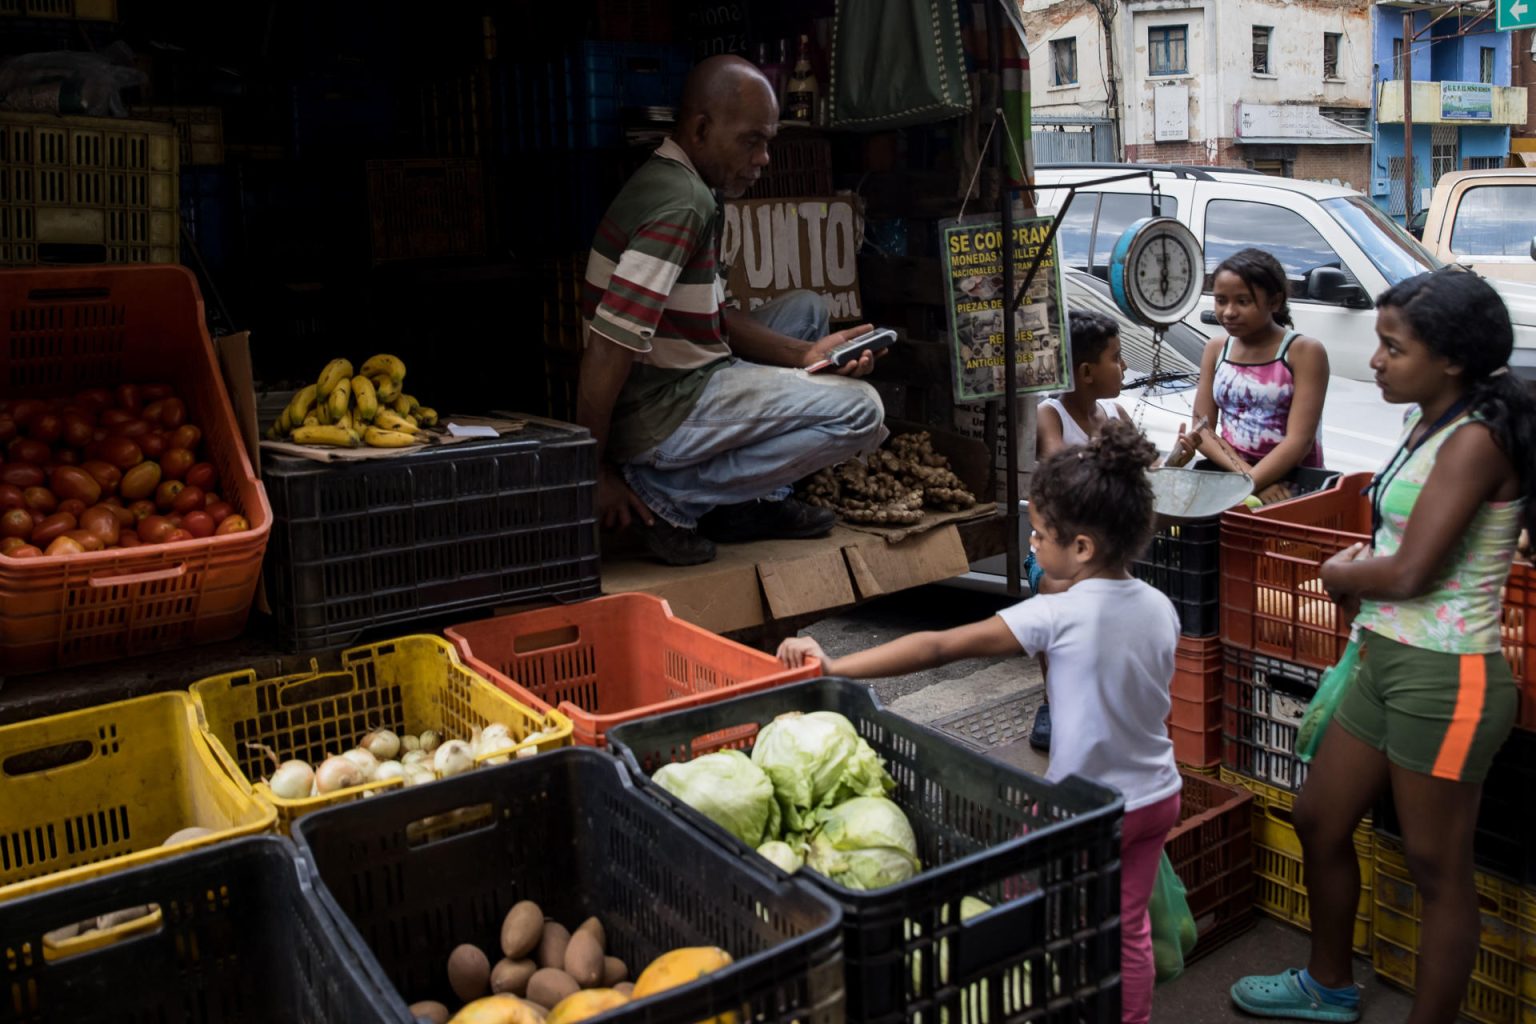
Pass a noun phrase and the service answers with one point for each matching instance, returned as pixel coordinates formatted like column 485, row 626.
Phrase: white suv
column 1339, row 249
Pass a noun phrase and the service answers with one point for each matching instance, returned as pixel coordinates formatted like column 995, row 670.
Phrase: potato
column 521, row 930
column 550, row 985
column 430, row 1010
column 614, row 971
column 626, row 987
column 469, row 972
column 594, row 927
column 552, row 945
column 584, row 959
column 512, row 976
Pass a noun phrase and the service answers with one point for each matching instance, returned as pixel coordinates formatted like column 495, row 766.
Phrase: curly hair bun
column 1122, row 449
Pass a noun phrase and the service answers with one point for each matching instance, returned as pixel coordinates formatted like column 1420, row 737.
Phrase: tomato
column 176, row 462
column 10, row 544
column 29, row 551
column 40, row 500
column 141, row 510
column 198, row 524
column 177, row 535
column 186, row 436
column 17, row 522
column 140, row 481
column 233, row 524
column 105, row 474
column 78, row 431
column 110, row 418
column 24, row 411
column 154, row 444
column 47, row 427
column 23, row 450
column 74, row 482
column 219, row 510
column 96, row 398
column 202, row 475
column 152, row 410
column 62, row 545
column 56, row 525
column 102, row 522
column 129, row 539
column 188, row 499
column 153, row 529
column 21, row 474
column 7, row 428
column 86, row 539
column 155, row 392
column 129, row 397
column 165, row 494
column 133, row 428
column 65, row 457
column 10, row 497
column 74, row 506
column 173, row 413
column 122, row 452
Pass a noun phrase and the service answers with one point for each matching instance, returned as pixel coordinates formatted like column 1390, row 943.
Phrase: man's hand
column 859, row 367
column 794, row 651
column 616, row 501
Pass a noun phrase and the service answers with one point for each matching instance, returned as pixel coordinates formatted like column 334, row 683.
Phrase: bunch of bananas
column 343, row 410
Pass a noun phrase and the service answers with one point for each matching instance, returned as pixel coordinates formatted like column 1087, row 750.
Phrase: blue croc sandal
column 1288, row 997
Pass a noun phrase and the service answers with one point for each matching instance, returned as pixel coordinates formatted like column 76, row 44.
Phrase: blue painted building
column 1463, row 106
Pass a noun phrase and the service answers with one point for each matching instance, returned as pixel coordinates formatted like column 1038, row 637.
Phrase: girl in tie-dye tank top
column 1263, row 385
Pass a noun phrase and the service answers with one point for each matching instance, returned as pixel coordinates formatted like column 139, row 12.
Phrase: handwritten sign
column 773, row 246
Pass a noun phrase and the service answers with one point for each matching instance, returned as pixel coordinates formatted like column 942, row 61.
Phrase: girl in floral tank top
column 1263, row 385
column 1431, row 698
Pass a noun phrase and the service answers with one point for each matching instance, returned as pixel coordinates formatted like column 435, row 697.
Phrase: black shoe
column 790, row 519
column 1040, row 735
column 674, row 545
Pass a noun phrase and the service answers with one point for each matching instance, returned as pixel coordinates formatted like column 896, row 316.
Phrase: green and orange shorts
column 1438, row 714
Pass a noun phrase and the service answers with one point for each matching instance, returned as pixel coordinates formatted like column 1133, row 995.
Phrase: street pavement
column 992, row 700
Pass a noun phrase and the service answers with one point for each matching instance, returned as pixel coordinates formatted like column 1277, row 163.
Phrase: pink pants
column 1141, row 847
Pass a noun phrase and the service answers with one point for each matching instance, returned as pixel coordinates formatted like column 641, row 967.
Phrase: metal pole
column 1407, row 119
column 1010, row 357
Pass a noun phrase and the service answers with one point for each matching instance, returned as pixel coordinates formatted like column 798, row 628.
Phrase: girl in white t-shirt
column 1111, row 640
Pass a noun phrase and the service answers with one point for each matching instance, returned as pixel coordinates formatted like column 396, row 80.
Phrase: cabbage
column 865, row 843
column 783, row 855
column 817, row 760
column 728, row 789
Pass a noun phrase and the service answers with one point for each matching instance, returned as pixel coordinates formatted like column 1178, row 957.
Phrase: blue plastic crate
column 207, row 203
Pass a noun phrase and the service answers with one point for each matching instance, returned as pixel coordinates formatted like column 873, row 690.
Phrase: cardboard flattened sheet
column 886, row 568
column 809, row 584
column 434, row 438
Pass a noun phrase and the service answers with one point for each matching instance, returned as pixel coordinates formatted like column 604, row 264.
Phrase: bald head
column 727, row 117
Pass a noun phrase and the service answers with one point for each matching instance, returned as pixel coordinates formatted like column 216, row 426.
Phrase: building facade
column 1282, row 86
column 1463, row 103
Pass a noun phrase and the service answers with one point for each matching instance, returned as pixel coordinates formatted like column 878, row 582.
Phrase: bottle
column 776, row 70
column 800, row 96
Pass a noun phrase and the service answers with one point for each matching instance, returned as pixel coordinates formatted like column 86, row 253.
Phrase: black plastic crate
column 240, row 938
column 1045, row 856
column 1184, row 561
column 569, row 831
column 1263, row 701
column 1505, row 838
column 382, row 541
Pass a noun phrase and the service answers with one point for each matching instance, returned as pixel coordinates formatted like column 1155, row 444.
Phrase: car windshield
column 1383, row 240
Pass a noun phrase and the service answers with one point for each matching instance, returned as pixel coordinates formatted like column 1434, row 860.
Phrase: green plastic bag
column 1330, row 690
column 1173, row 926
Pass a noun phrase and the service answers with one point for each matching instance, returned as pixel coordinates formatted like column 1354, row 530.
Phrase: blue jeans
column 755, row 429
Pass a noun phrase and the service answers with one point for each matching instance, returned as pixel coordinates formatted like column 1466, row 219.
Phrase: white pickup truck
column 1484, row 220
column 1338, row 247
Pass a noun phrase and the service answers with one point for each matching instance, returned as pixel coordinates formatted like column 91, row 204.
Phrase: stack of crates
column 207, row 200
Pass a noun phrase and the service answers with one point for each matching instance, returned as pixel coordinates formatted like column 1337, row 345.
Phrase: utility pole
column 1407, row 119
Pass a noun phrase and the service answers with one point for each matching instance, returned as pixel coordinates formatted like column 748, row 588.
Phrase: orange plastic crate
column 613, row 660
column 1211, row 849
column 66, row 330
column 1194, row 721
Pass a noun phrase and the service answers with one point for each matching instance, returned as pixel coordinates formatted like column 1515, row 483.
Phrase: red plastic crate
column 1194, row 722
column 66, row 330
column 1519, row 621
column 1211, row 850
column 615, row 659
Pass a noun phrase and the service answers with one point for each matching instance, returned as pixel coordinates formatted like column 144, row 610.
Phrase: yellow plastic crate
column 1527, row 955
column 75, row 10
column 1280, row 887
column 409, row 684
column 87, row 793
column 1493, row 993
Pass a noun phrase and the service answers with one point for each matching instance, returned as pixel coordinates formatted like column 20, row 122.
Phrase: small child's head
column 1091, row 505
column 1250, row 289
column 1097, row 365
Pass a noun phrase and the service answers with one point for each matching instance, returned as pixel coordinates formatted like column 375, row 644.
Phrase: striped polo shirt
column 652, row 286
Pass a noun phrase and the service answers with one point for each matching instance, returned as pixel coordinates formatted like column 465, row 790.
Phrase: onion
column 495, row 738
column 186, row 835
column 453, row 758
column 382, row 744
column 417, row 756
column 293, row 780
column 366, row 762
column 337, row 773
column 389, row 770
column 419, row 774
column 409, row 743
column 430, row 740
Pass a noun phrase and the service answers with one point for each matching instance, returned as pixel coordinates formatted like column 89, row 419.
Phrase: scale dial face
column 1156, row 271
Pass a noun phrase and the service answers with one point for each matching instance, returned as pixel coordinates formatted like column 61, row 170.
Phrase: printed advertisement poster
column 773, row 246
column 973, row 272
column 1466, row 101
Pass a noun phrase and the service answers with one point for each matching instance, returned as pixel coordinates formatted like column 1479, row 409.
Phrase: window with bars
column 1397, row 59
column 1064, row 61
column 1168, row 49
column 1358, row 118
column 1482, row 163
column 1444, row 155
column 1485, row 65
column 1331, row 54
column 1261, row 37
